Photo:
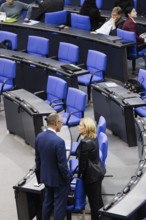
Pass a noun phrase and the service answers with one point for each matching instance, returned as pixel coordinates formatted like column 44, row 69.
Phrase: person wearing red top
column 130, row 25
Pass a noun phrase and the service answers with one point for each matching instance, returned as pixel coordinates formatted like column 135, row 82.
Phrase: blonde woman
column 87, row 151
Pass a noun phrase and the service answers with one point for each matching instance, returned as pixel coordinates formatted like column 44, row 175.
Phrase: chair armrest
column 54, row 57
column 24, row 50
column 41, row 94
column 71, row 113
column 51, row 103
column 3, row 84
column 92, row 74
column 82, row 65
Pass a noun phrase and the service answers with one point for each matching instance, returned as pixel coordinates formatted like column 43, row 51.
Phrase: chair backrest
column 80, row 21
column 57, row 17
column 5, row 35
column 76, row 101
column 142, row 78
column 56, row 88
column 38, row 45
column 7, row 70
column 129, row 36
column 101, row 126
column 68, row 53
column 103, row 146
column 96, row 61
column 67, row 2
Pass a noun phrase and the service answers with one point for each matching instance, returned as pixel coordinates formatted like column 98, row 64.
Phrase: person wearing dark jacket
column 51, row 163
column 130, row 25
column 123, row 4
column 88, row 150
column 47, row 6
column 90, row 9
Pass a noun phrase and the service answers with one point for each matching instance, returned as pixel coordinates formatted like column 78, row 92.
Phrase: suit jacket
column 130, row 25
column 51, row 159
column 88, row 150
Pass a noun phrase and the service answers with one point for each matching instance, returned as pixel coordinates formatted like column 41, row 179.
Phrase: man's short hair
column 117, row 10
column 53, row 118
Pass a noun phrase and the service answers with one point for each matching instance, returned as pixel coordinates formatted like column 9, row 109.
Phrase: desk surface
column 120, row 94
column 130, row 202
column 49, row 63
column 29, row 101
column 70, row 31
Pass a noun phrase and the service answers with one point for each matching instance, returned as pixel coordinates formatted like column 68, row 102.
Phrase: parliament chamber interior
column 78, row 62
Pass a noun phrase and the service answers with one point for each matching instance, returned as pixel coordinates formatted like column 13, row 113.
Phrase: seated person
column 13, row 9
column 47, row 6
column 90, row 9
column 130, row 25
column 116, row 21
column 124, row 4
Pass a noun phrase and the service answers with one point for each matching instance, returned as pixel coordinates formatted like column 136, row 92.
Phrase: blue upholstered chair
column 7, row 75
column 38, row 46
column 96, row 65
column 75, row 107
column 5, row 35
column 103, row 147
column 80, row 199
column 68, row 53
column 80, row 21
column 132, row 52
column 56, row 92
column 57, row 17
column 142, row 79
column 101, row 126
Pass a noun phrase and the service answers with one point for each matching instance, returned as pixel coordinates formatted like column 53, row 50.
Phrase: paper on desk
column 31, row 22
column 111, row 84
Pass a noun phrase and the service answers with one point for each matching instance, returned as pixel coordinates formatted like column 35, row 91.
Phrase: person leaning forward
column 50, row 159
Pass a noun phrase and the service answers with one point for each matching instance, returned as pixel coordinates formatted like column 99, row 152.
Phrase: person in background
column 90, row 9
column 88, row 149
column 47, row 6
column 123, row 4
column 14, row 9
column 130, row 25
column 51, row 162
column 116, row 21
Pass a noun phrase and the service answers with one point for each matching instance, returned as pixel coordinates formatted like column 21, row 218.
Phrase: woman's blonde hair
column 90, row 127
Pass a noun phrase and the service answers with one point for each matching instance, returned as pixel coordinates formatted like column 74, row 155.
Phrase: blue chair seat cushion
column 141, row 111
column 57, row 108
column 85, row 79
column 72, row 121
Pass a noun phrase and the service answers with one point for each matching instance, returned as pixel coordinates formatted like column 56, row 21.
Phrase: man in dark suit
column 47, row 6
column 51, row 160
